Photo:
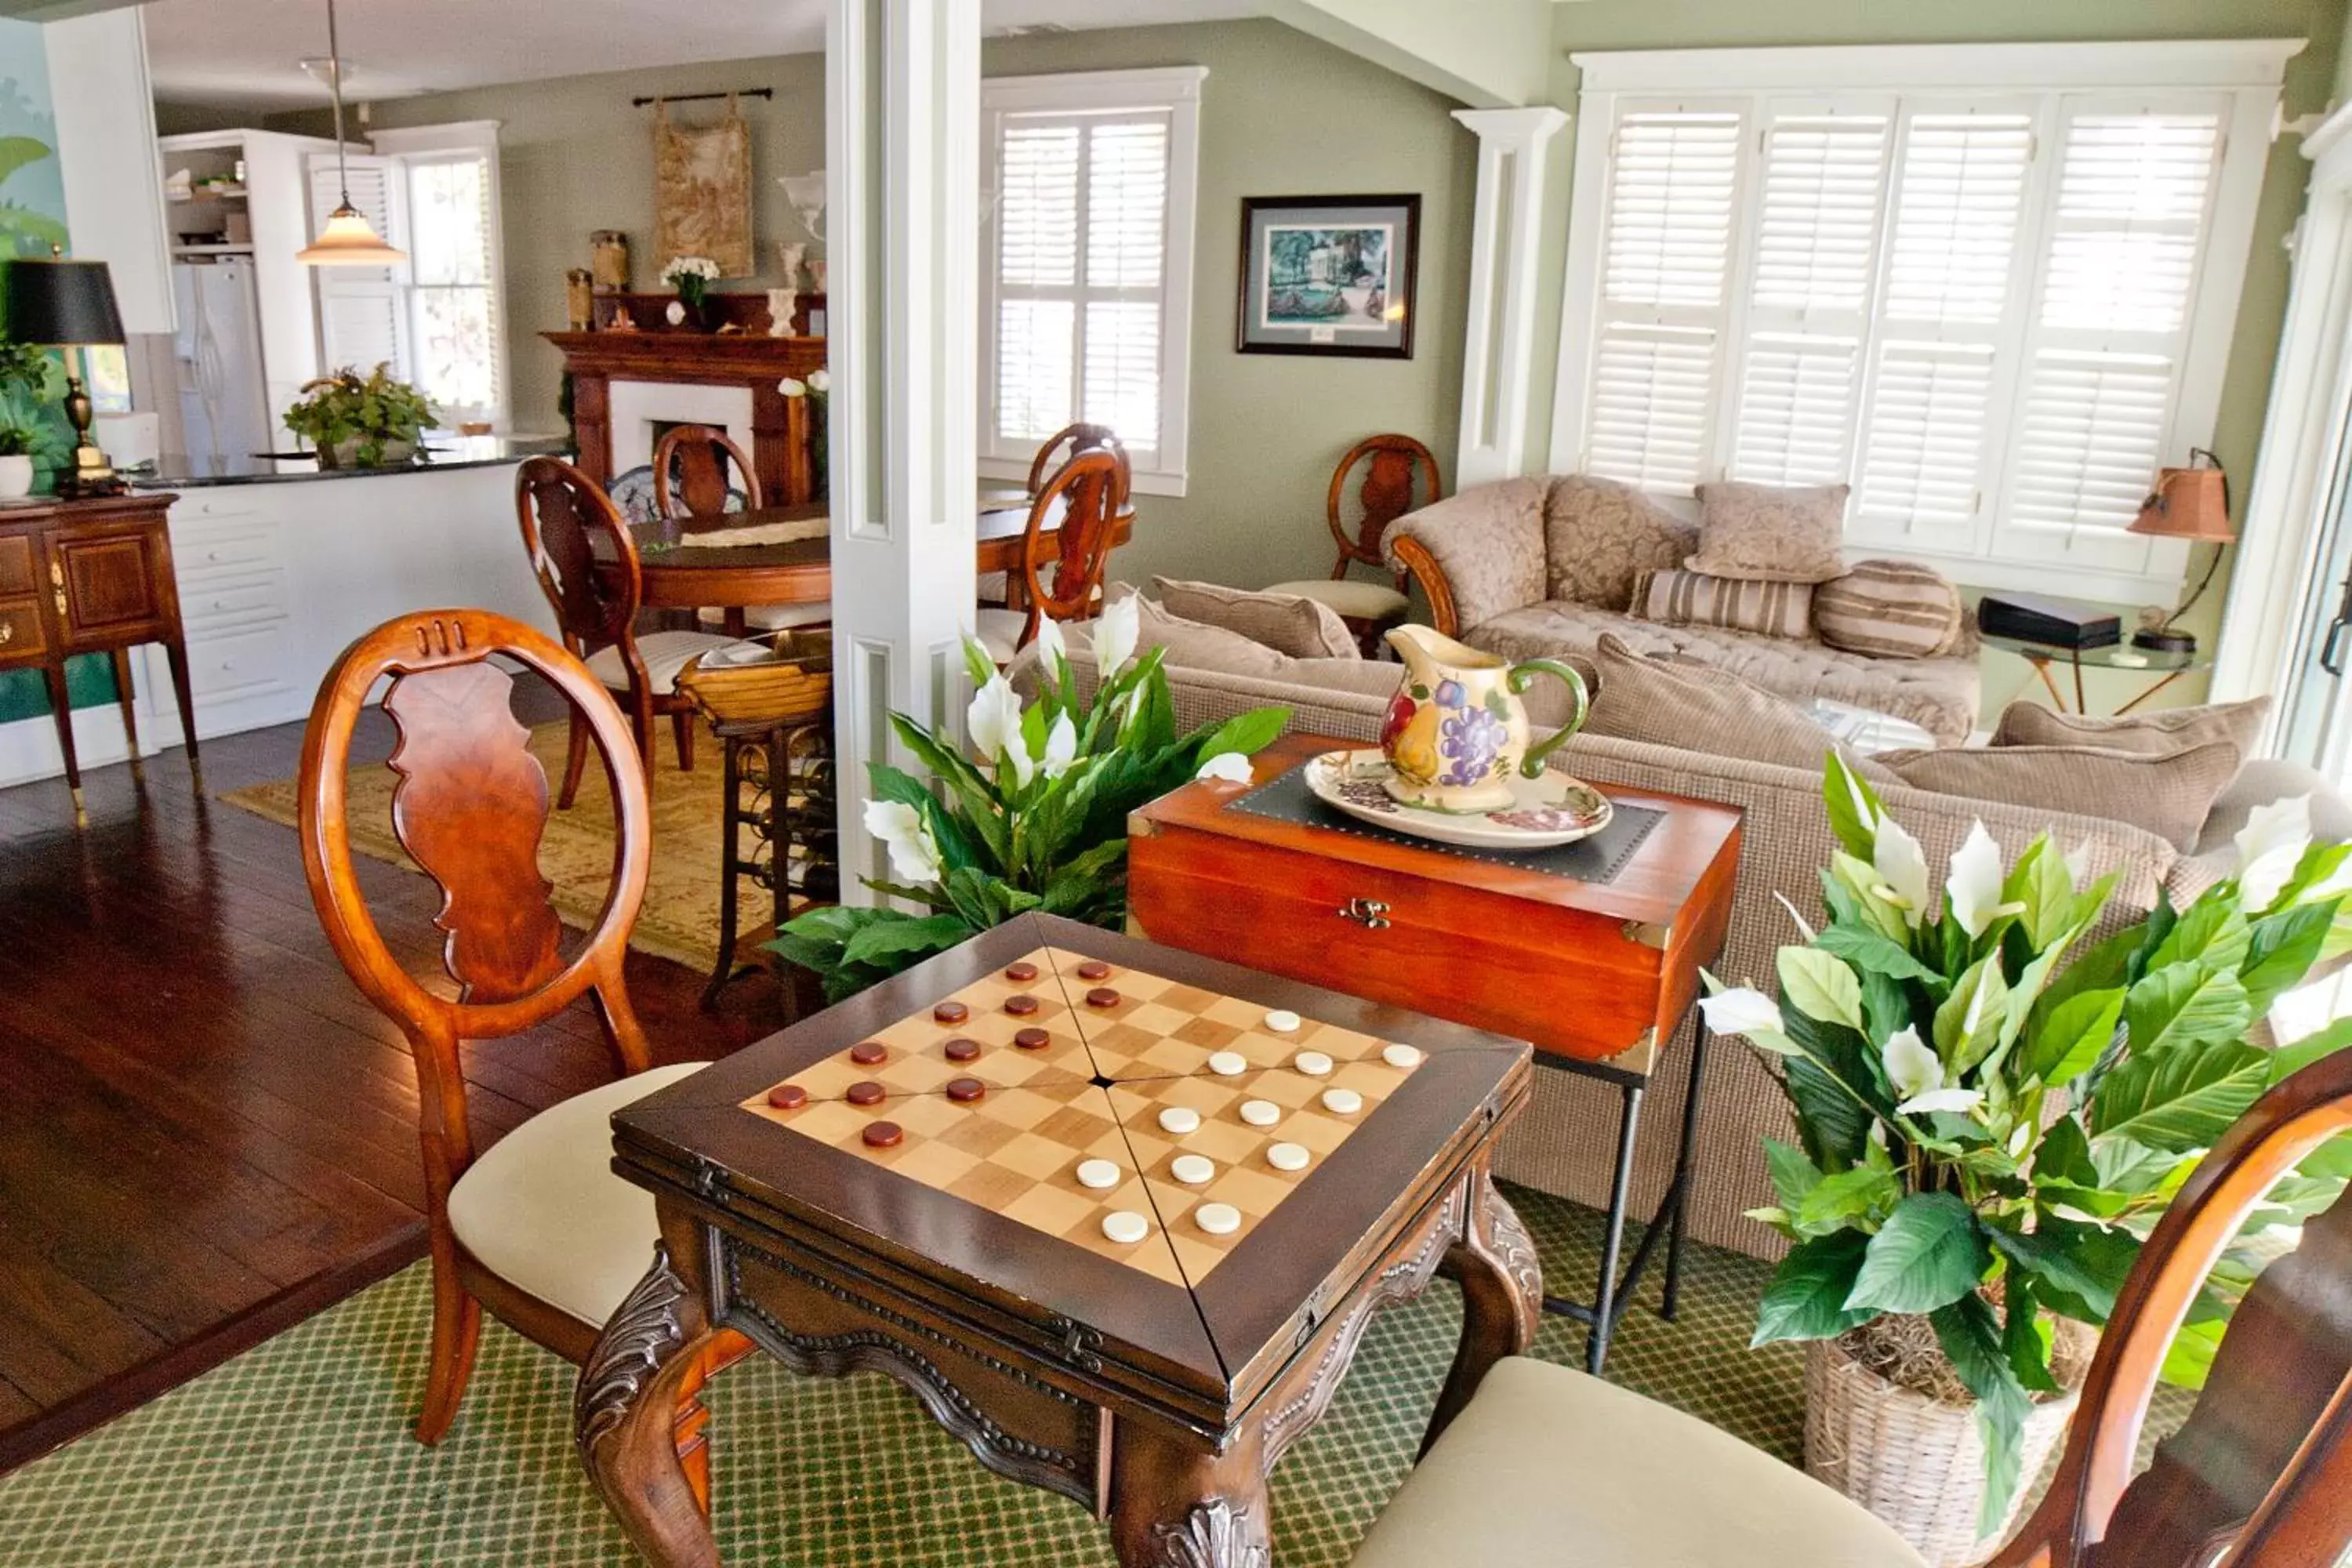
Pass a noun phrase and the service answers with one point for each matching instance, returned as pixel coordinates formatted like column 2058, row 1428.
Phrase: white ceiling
column 246, row 54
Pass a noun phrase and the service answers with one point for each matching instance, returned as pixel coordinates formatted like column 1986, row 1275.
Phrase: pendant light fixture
column 348, row 239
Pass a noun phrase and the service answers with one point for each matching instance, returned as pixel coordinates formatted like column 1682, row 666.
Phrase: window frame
column 448, row 143
column 1175, row 91
column 2242, row 76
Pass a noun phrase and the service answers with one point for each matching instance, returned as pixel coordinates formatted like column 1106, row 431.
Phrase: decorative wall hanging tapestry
column 702, row 190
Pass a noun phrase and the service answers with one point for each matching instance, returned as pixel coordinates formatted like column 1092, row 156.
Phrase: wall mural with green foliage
column 32, row 384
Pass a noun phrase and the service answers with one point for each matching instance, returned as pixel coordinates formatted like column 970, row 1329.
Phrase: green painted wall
column 2311, row 79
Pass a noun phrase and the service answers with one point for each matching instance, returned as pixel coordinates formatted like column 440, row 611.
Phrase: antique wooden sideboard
column 91, row 576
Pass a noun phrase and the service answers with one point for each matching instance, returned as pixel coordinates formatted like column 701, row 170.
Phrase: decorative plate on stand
column 1552, row 810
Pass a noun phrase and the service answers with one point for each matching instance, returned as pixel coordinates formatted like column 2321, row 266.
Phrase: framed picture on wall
column 1328, row 274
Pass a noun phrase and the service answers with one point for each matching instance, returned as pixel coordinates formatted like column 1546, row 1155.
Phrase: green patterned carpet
column 299, row 1451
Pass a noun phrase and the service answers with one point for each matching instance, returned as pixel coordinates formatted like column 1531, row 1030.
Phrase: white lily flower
column 1115, row 634
column 1912, row 1068
column 792, row 387
column 2270, row 846
column 1050, row 646
column 1974, row 883
column 1959, row 1100
column 820, row 380
column 1061, row 747
column 1229, row 767
column 1801, row 926
column 1897, row 858
column 1740, row 1010
column 1862, row 808
column 2078, row 865
column 914, row 857
column 995, row 720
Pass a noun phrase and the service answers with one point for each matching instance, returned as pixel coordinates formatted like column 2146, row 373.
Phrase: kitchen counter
column 177, row 471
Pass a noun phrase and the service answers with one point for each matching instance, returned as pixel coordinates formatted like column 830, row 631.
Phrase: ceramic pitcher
column 1457, row 729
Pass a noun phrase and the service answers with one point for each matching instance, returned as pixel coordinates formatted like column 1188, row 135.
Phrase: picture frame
column 1328, row 274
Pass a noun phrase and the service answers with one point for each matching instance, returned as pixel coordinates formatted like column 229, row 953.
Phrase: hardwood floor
column 205, row 1131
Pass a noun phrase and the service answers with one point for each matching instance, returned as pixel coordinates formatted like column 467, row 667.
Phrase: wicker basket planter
column 1915, row 1462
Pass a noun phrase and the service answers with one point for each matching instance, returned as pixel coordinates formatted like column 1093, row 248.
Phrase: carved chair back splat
column 697, row 468
column 1090, row 494
column 1399, row 476
column 587, row 565
column 1079, row 438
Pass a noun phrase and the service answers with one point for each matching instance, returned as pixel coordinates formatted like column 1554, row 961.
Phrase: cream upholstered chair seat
column 1550, row 1468
column 1349, row 599
column 665, row 652
column 542, row 1208
column 999, row 631
column 774, row 617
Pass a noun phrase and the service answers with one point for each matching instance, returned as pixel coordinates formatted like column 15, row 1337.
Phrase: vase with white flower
column 1992, row 1115
column 818, row 389
column 690, row 276
column 1034, row 819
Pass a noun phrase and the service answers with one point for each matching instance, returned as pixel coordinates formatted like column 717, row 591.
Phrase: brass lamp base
column 91, row 474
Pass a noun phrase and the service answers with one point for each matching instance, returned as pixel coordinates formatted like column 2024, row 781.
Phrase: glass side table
column 2166, row 666
column 1866, row 730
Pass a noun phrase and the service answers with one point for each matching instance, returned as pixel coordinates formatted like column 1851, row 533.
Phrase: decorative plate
column 1549, row 811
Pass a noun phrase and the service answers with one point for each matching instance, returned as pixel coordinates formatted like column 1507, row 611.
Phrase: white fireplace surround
column 640, row 408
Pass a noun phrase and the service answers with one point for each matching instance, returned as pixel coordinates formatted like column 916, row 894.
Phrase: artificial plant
column 374, row 413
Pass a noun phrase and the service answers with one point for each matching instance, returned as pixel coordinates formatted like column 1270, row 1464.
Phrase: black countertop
column 177, row 471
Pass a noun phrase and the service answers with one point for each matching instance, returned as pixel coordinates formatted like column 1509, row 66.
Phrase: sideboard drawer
column 239, row 661
column 200, row 550
column 19, row 573
column 192, row 507
column 216, row 600
column 20, row 628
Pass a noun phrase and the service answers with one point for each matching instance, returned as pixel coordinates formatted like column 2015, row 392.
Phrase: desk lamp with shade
column 2191, row 504
column 69, row 305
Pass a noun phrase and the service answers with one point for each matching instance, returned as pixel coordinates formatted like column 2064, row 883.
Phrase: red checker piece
column 964, row 1090
column 866, row 1093
column 951, row 1012
column 871, row 1052
column 1102, row 997
column 963, row 1050
column 1021, row 1005
column 1094, row 969
column 1031, row 1039
column 884, row 1135
column 788, row 1096
column 1021, row 973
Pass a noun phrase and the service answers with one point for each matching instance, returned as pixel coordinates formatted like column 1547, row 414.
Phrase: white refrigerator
column 224, row 405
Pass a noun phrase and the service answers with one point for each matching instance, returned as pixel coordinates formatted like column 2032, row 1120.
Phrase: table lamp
column 65, row 304
column 2192, row 504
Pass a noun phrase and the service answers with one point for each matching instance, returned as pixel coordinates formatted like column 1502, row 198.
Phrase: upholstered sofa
column 1543, row 566
column 1562, row 1143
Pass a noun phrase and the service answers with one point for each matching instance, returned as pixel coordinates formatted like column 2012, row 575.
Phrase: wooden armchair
column 587, row 565
column 1090, row 494
column 692, row 469
column 1399, row 476
column 1549, row 1465
column 537, row 1228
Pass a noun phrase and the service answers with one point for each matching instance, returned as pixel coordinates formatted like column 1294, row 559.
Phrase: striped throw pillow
column 1889, row 609
column 1678, row 598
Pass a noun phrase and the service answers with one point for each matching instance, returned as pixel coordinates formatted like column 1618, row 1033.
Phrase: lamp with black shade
column 2191, row 504
column 69, row 305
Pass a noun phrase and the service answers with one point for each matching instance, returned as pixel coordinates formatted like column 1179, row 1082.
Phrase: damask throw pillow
column 1771, row 534
column 1600, row 534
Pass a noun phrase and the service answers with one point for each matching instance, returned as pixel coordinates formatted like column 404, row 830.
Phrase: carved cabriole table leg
column 1174, row 1504
column 626, row 1415
column 1502, row 1295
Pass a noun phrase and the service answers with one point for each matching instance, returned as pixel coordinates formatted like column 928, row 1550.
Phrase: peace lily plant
column 1035, row 818
column 1990, row 1121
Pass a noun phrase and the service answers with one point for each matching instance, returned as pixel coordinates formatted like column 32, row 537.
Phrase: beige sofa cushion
column 2165, row 730
column 1600, row 534
column 1287, row 623
column 1772, row 532
column 1699, row 709
column 1549, row 1468
column 1938, row 694
column 1889, row 609
column 1680, row 598
column 2169, row 796
column 1193, row 644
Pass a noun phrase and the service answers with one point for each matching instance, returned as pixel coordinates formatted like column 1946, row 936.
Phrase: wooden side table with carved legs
column 1158, row 1383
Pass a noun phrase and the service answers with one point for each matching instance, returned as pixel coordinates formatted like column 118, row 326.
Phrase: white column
column 1504, row 237
column 902, row 82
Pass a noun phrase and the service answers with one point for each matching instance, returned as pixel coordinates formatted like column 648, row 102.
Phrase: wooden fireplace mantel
column 780, row 436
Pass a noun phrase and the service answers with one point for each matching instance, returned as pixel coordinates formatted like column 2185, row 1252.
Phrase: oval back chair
column 586, row 561
column 537, row 1228
column 1062, row 568
column 1400, row 475
column 691, row 472
column 1079, row 438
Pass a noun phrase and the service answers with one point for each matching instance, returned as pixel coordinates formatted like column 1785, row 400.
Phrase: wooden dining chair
column 587, row 566
column 1001, row 590
column 1549, row 1465
column 536, row 1227
column 1400, row 475
column 1062, row 568
column 697, row 471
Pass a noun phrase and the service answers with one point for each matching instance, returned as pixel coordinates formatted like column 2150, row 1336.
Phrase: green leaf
column 2025, row 1339
column 1835, row 1128
column 1973, row 1343
column 1967, row 1024
column 1806, row 1299
column 1885, row 1006
column 1869, row 951
column 2152, row 931
column 904, row 937
column 2211, row 934
column 2184, row 1004
column 2178, row 1100
column 1853, row 807
column 1930, row 1253
column 2084, row 1261
column 2064, row 1041
column 2281, row 950
column 1856, row 1198
column 2188, row 1359
column 1793, row 1174
column 2063, row 1153
column 1248, row 733
column 1817, row 985
column 2296, row 1055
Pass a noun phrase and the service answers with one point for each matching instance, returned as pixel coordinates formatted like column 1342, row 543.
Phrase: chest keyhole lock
column 1369, row 913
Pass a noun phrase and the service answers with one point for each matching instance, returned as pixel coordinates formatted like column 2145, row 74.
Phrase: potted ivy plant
column 1035, row 820
column 33, row 428
column 374, row 421
column 1990, row 1118
column 16, row 445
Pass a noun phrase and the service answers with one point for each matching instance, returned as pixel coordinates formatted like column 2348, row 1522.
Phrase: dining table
column 733, row 561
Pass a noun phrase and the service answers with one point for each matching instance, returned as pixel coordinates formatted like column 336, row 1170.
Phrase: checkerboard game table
column 1117, row 1214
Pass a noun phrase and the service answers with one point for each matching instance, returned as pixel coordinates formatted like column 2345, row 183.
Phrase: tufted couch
column 1542, row 566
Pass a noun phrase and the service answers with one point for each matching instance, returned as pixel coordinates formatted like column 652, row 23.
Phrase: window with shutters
column 1087, row 300
column 1993, row 303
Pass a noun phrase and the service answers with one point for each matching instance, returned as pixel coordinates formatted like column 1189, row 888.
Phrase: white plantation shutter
column 2103, row 350
column 360, row 323
column 1666, row 261
column 1081, row 270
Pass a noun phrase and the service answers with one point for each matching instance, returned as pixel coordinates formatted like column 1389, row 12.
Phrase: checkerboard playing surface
column 1136, row 1117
